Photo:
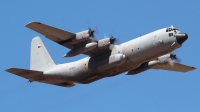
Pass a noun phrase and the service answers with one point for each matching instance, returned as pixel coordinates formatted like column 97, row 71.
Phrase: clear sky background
column 150, row 91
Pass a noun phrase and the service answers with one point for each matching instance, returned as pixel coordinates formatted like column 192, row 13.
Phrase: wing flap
column 38, row 76
column 176, row 67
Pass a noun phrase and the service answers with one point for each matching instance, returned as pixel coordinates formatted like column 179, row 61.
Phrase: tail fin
column 40, row 58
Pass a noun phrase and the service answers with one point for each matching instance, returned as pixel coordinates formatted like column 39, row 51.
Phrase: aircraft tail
column 40, row 58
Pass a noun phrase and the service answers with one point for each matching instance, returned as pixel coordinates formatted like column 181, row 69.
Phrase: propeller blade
column 177, row 60
column 170, row 61
column 96, row 30
column 91, row 32
column 115, row 40
column 112, row 39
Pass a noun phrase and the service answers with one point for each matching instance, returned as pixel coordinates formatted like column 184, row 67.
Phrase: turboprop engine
column 106, row 42
column 84, row 35
column 80, row 36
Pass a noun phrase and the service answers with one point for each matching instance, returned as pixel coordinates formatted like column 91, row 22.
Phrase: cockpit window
column 171, row 29
column 175, row 29
column 168, row 30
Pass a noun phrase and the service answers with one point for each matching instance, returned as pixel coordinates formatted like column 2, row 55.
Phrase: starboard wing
column 176, row 67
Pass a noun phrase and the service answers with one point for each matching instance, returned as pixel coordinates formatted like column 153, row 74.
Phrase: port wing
column 57, row 35
column 63, row 37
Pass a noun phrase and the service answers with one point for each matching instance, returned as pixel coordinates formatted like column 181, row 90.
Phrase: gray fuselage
column 121, row 58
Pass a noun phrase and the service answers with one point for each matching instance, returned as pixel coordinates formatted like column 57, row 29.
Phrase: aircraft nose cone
column 181, row 37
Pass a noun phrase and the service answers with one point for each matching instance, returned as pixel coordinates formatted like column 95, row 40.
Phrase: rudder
column 40, row 58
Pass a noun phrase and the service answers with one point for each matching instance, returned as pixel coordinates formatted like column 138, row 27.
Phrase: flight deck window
column 171, row 29
column 168, row 29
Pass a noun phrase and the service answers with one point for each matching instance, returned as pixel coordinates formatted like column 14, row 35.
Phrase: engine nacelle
column 116, row 58
column 164, row 58
column 104, row 43
column 82, row 36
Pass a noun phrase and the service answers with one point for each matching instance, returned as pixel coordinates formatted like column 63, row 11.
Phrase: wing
column 57, row 35
column 176, row 67
column 38, row 76
column 63, row 37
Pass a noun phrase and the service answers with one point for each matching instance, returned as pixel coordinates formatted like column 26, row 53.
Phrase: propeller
column 174, row 57
column 91, row 32
column 113, row 41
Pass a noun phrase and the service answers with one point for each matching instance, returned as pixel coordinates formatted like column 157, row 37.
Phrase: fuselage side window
column 170, row 34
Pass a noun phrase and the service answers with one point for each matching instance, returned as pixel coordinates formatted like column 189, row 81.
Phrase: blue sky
column 150, row 91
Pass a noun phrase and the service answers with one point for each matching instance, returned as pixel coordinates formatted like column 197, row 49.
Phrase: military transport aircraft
column 150, row 51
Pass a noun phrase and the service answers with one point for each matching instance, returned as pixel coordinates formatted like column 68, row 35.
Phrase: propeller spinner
column 91, row 32
column 113, row 41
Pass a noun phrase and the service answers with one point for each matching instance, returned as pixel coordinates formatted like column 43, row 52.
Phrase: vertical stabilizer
column 40, row 58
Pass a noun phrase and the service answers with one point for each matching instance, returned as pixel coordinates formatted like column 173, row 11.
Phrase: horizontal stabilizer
column 176, row 67
column 33, row 75
column 28, row 74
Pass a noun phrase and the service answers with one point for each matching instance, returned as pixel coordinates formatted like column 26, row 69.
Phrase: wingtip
column 32, row 22
column 193, row 68
column 8, row 69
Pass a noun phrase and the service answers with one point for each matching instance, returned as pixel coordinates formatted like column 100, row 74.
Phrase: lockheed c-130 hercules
column 150, row 51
